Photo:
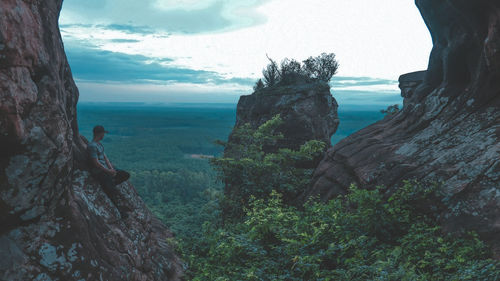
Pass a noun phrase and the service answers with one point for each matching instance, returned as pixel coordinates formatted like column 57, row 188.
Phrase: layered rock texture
column 308, row 110
column 56, row 222
column 448, row 130
column 408, row 83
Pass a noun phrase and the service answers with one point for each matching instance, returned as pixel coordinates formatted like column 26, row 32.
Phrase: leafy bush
column 176, row 196
column 322, row 67
column 361, row 236
column 248, row 170
column 271, row 73
column 344, row 239
column 291, row 71
column 364, row 235
column 259, row 85
column 314, row 69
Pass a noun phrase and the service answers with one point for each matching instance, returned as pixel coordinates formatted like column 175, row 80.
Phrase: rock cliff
column 308, row 110
column 408, row 83
column 56, row 222
column 448, row 130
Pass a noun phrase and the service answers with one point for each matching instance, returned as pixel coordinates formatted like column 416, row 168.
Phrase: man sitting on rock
column 102, row 169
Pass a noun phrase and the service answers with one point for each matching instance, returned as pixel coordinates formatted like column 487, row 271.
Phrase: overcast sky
column 214, row 50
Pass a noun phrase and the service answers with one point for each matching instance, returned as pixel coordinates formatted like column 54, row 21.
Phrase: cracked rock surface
column 308, row 111
column 56, row 222
column 448, row 130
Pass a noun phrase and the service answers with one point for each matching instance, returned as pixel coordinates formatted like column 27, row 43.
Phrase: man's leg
column 106, row 180
column 108, row 186
column 121, row 176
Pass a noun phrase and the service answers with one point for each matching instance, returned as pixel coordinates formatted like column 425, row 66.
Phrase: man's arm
column 100, row 166
column 108, row 162
column 93, row 156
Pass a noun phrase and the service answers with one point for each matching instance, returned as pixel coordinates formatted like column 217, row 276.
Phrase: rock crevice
column 448, row 130
column 57, row 223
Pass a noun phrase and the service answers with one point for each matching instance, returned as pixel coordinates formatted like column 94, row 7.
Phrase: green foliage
column 360, row 236
column 314, row 69
column 322, row 67
column 176, row 196
column 259, row 85
column 344, row 239
column 248, row 170
column 291, row 71
column 154, row 144
column 271, row 73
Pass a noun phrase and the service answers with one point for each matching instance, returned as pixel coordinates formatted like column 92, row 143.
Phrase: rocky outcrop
column 308, row 110
column 448, row 130
column 56, row 222
column 408, row 83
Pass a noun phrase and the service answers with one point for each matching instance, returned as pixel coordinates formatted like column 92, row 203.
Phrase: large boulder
column 308, row 110
column 408, row 83
column 448, row 130
column 56, row 222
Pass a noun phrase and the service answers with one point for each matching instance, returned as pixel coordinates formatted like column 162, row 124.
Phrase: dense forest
column 180, row 171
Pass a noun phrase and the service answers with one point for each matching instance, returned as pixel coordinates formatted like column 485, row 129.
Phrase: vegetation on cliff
column 360, row 236
column 248, row 169
column 272, row 239
column 289, row 71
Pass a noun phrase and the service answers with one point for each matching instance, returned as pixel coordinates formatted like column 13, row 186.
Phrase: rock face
column 308, row 110
column 408, row 83
column 448, row 130
column 56, row 222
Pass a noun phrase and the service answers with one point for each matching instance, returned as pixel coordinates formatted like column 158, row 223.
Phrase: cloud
column 125, row 28
column 233, row 36
column 105, row 91
column 90, row 64
column 360, row 81
column 124, row 40
column 175, row 16
column 156, row 93
column 163, row 50
column 366, row 84
column 365, row 93
column 113, row 76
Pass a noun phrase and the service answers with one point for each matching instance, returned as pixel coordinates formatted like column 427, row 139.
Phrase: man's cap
column 99, row 129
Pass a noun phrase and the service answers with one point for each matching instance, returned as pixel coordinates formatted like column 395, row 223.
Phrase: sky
column 214, row 50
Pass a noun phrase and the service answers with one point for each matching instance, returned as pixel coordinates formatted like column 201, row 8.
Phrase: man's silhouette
column 102, row 169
